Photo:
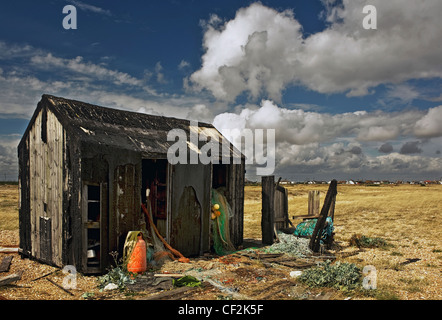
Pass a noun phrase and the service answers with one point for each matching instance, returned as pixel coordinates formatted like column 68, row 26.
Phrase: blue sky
column 345, row 102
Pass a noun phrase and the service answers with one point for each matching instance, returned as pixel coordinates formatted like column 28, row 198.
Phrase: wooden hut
column 84, row 171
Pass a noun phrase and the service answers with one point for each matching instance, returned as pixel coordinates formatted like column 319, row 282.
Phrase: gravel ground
column 241, row 277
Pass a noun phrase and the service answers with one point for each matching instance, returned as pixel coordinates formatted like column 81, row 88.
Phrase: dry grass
column 8, row 207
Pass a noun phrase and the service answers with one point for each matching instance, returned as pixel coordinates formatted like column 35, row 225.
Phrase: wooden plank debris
column 410, row 260
column 174, row 294
column 168, row 275
column 43, row 276
column 8, row 250
column 6, row 262
column 60, row 287
column 10, row 278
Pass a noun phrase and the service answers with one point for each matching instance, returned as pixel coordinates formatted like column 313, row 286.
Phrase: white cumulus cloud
column 263, row 51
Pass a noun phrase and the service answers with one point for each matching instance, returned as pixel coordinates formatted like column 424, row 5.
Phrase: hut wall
column 46, row 145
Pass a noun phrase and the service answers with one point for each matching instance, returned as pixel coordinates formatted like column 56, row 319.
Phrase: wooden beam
column 315, row 240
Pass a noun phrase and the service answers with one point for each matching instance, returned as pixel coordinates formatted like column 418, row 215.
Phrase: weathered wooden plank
column 268, row 214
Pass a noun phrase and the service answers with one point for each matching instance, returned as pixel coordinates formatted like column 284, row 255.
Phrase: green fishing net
column 306, row 228
column 220, row 224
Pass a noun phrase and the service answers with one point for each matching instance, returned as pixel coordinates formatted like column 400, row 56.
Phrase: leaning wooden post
column 267, row 218
column 315, row 241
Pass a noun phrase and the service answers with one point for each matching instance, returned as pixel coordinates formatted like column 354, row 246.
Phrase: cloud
column 37, row 71
column 430, row 125
column 386, row 148
column 159, row 74
column 297, row 126
column 403, row 93
column 410, row 147
column 248, row 53
column 183, row 65
column 77, row 65
column 263, row 51
column 406, row 164
column 91, row 8
column 8, row 156
column 312, row 142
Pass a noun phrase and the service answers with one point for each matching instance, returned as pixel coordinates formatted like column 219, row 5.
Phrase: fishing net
column 220, row 223
column 306, row 228
column 290, row 245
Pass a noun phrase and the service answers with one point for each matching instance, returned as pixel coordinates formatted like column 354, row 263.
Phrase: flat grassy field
column 9, row 207
column 407, row 217
column 394, row 212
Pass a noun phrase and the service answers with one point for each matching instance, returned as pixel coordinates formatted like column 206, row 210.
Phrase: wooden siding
column 46, row 186
column 235, row 196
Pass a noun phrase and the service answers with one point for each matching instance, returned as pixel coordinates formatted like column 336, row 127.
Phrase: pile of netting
column 291, row 245
column 306, row 228
column 221, row 212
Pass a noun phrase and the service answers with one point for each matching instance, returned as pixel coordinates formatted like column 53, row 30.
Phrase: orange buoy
column 137, row 261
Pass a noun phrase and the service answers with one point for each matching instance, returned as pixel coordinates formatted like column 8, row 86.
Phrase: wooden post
column 313, row 203
column 315, row 240
column 267, row 218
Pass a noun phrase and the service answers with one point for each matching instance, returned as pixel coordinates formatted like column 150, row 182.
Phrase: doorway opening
column 155, row 186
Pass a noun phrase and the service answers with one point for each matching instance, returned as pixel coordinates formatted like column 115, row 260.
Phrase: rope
column 176, row 253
